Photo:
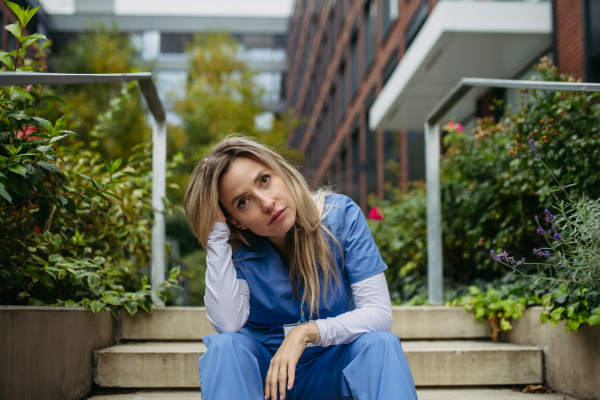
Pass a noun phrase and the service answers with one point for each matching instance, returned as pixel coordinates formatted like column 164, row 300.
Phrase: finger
column 267, row 380
column 273, row 382
column 282, row 379
column 291, row 375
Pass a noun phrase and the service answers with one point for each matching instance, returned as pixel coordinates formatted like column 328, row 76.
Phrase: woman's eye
column 242, row 203
column 265, row 179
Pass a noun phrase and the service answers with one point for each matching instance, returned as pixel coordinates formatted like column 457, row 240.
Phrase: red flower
column 26, row 132
column 454, row 126
column 375, row 214
column 37, row 230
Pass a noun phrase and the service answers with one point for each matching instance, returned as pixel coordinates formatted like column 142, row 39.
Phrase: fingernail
column 280, row 397
column 290, row 386
column 266, row 396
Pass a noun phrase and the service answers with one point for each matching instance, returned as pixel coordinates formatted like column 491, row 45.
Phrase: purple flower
column 495, row 257
column 554, row 229
column 522, row 261
column 538, row 155
column 539, row 253
column 549, row 217
column 532, row 146
column 557, row 237
column 537, row 219
column 541, row 232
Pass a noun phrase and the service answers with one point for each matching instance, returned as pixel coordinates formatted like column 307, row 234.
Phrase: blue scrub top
column 272, row 301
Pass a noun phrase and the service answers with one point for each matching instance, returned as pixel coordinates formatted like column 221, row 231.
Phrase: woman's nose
column 267, row 203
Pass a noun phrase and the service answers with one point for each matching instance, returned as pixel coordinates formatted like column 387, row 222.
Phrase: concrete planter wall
column 47, row 352
column 572, row 360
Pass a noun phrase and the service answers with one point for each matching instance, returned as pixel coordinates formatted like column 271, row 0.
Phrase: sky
column 269, row 8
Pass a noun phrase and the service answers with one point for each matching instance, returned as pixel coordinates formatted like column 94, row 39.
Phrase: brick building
column 362, row 75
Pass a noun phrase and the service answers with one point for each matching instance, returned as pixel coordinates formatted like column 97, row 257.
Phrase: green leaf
column 15, row 29
column 44, row 122
column 56, row 241
column 96, row 306
column 594, row 320
column 51, row 97
column 131, row 307
column 18, row 169
column 93, row 280
column 44, row 149
column 70, row 206
column 49, row 166
column 596, row 311
column 55, row 257
column 57, row 138
column 28, row 15
column 5, row 58
column 22, row 94
column 19, row 12
column 174, row 272
column 544, row 318
column 5, row 194
column 19, row 186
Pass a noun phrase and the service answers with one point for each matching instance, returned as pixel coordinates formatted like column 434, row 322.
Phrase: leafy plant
column 75, row 228
column 12, row 59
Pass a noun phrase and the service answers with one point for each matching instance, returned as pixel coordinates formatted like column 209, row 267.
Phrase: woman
column 278, row 255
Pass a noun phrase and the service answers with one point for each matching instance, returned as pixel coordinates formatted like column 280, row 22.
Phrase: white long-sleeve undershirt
column 227, row 299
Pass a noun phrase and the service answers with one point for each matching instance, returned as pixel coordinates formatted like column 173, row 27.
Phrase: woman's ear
column 236, row 223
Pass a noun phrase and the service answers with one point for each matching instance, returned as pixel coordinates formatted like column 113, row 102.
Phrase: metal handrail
column 159, row 144
column 432, row 156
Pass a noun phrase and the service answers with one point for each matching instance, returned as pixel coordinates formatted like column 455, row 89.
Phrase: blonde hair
column 310, row 253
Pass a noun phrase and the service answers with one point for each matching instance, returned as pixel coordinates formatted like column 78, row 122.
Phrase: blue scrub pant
column 372, row 367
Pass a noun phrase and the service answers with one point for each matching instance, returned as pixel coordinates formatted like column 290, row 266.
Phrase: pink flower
column 29, row 88
column 26, row 132
column 375, row 214
column 453, row 126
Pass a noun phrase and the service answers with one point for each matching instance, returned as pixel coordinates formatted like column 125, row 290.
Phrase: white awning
column 461, row 39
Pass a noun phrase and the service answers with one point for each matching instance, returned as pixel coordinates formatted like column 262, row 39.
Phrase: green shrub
column 75, row 228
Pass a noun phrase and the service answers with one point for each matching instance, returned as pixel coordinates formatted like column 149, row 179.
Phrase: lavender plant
column 571, row 261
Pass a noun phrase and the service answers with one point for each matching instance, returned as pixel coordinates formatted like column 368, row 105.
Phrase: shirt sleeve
column 373, row 312
column 361, row 255
column 227, row 298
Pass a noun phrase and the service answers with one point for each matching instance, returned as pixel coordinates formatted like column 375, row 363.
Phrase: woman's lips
column 278, row 216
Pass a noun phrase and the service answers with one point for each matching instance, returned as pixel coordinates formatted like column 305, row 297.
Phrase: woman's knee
column 379, row 338
column 224, row 341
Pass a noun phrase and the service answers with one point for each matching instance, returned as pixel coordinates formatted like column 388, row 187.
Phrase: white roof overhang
column 461, row 39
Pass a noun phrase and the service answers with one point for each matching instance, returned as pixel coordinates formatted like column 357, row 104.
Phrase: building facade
column 161, row 34
column 363, row 74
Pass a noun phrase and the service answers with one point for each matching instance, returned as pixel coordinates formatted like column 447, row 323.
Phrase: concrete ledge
column 441, row 363
column 166, row 323
column 46, row 352
column 191, row 323
column 572, row 360
column 424, row 394
column 437, row 322
column 149, row 365
column 472, row 363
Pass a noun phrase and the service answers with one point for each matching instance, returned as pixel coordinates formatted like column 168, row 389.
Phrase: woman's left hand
column 282, row 369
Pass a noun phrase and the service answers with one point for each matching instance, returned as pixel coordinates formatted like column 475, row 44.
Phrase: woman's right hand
column 220, row 216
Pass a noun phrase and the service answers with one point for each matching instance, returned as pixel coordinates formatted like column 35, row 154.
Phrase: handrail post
column 434, row 215
column 159, row 191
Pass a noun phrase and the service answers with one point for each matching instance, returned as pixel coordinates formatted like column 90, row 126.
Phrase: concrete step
column 191, row 323
column 433, row 363
column 423, row 394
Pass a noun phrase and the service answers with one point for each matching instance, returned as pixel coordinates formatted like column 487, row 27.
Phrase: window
column 593, row 40
column 356, row 163
column 370, row 14
column 391, row 165
column 389, row 15
column 416, row 156
column 342, row 89
column 174, row 42
column 342, row 171
column 371, row 162
column 390, row 66
column 271, row 83
column 354, row 64
column 417, row 22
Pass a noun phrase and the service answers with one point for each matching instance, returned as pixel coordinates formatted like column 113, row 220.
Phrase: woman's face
column 257, row 198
